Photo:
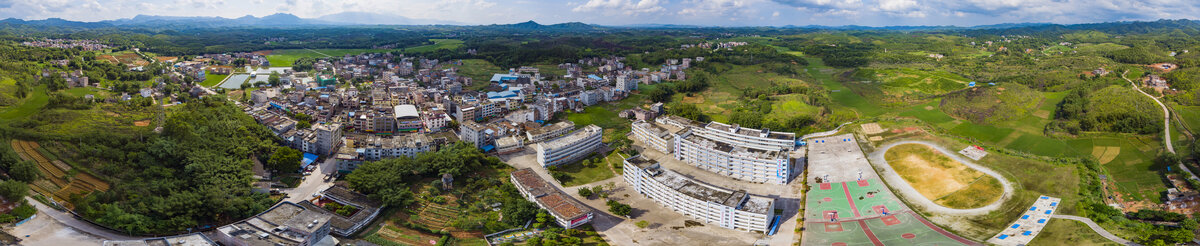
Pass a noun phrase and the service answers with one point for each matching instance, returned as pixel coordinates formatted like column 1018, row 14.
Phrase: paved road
column 1166, row 124
column 824, row 133
column 903, row 187
column 313, row 183
column 71, row 221
column 1096, row 228
column 318, row 52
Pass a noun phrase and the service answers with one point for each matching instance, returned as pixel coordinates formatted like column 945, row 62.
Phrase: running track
column 871, row 235
column 851, row 200
column 943, row 232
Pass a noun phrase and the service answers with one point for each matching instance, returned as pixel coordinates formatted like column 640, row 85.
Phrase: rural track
column 1097, row 228
column 1166, row 124
column 903, row 187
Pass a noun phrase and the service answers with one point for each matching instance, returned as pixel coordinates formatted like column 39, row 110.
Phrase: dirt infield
column 941, row 179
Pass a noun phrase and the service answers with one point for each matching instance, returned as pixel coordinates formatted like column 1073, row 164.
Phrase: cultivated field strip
column 60, row 187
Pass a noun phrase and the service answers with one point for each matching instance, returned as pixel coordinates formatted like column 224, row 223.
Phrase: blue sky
column 623, row 12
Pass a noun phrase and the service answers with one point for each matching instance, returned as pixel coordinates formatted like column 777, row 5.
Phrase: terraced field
column 56, row 182
column 436, row 217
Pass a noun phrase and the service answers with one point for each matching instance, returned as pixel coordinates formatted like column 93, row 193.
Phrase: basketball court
column 849, row 207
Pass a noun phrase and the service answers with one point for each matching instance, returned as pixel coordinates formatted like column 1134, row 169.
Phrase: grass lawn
column 1058, row 231
column 907, row 81
column 725, row 90
column 31, row 104
column 616, row 160
column 945, row 181
column 599, row 116
column 438, row 44
column 605, row 115
column 841, row 94
column 480, row 71
column 211, row 80
column 581, row 175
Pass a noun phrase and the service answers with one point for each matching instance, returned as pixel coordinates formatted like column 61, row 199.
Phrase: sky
column 632, row 12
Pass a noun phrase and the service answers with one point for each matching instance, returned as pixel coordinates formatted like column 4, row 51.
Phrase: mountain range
column 284, row 20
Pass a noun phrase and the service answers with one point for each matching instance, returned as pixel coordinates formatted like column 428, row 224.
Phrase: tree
column 585, row 192
column 597, row 190
column 1190, row 224
column 13, row 190
column 24, row 171
column 619, row 209
column 642, row 224
column 273, row 79
column 541, row 219
column 285, row 159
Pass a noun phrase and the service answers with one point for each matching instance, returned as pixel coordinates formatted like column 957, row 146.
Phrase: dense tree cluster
column 381, row 179
column 196, row 173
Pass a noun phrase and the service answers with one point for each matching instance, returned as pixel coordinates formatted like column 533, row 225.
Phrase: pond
column 235, row 81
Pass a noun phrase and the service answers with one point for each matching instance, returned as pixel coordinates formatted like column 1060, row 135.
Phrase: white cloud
column 718, row 7
column 620, row 7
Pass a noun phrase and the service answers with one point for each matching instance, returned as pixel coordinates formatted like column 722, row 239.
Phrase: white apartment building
column 434, row 120
column 474, row 133
column 657, row 137
column 569, row 148
column 714, row 205
column 735, row 161
column 550, row 131
column 510, row 144
column 567, row 212
column 749, row 137
column 329, row 136
column 375, row 148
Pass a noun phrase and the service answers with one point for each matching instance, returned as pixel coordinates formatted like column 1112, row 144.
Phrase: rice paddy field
column 438, row 44
column 285, row 58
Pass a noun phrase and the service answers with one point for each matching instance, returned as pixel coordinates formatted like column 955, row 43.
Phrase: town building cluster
column 84, row 44
column 367, row 107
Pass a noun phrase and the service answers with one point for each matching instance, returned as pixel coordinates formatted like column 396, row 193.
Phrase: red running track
column 871, row 235
column 943, row 232
column 851, row 200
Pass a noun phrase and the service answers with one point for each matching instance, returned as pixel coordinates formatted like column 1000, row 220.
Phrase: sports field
column 943, row 180
column 866, row 213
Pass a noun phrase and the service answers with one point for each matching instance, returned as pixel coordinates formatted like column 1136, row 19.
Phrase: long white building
column 657, row 137
column 738, row 162
column 714, row 205
column 550, row 131
column 748, row 137
column 568, row 212
column 571, row 147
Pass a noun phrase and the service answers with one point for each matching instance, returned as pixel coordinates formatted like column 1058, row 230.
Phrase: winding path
column 903, row 187
column 1166, row 124
column 1097, row 228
